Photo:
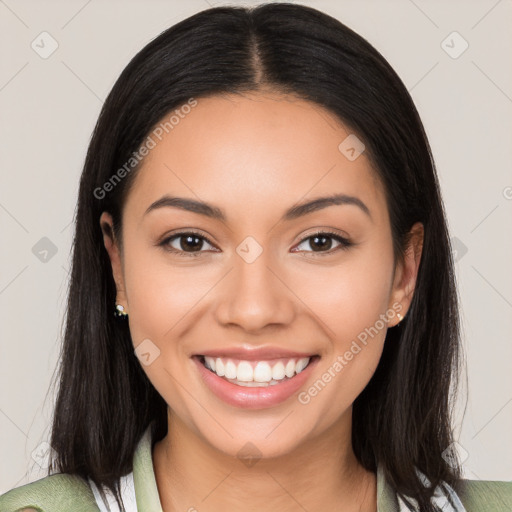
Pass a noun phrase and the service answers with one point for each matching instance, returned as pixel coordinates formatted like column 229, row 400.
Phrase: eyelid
column 323, row 231
column 182, row 232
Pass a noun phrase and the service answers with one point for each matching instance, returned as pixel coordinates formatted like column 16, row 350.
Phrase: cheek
column 161, row 296
column 162, row 299
column 350, row 296
column 352, row 303
column 166, row 301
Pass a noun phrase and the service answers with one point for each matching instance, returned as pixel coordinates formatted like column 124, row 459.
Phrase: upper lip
column 254, row 354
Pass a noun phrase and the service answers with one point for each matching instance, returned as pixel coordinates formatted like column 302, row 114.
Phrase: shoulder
column 55, row 493
column 485, row 495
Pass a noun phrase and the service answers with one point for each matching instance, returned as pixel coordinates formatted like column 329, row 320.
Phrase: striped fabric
column 110, row 504
column 445, row 498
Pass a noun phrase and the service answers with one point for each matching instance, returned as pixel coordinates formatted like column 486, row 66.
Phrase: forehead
column 256, row 153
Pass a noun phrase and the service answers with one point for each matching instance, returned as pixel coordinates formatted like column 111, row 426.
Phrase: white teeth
column 219, row 367
column 244, row 372
column 210, row 362
column 290, row 368
column 302, row 364
column 262, row 373
column 278, row 371
column 230, row 370
column 254, row 384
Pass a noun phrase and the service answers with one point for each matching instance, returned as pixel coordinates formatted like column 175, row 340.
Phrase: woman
column 260, row 210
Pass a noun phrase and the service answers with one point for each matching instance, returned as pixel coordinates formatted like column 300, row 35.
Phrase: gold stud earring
column 120, row 311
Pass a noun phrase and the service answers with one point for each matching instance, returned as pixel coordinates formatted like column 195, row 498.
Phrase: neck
column 320, row 474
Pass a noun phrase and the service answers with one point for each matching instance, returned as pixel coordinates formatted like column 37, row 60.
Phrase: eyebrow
column 296, row 211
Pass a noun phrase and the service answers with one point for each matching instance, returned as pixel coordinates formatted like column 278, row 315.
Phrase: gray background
column 50, row 105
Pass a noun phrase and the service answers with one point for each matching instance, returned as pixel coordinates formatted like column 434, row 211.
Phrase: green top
column 68, row 493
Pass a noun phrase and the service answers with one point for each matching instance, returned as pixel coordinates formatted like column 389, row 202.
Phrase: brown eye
column 185, row 244
column 189, row 243
column 323, row 242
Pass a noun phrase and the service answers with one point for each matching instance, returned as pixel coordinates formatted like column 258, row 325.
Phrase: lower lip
column 257, row 397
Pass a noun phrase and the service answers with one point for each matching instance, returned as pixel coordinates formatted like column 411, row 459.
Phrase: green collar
column 64, row 492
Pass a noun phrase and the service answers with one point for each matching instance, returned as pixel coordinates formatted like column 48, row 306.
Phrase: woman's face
column 259, row 278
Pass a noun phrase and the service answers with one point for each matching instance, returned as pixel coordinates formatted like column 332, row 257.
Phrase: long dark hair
column 105, row 402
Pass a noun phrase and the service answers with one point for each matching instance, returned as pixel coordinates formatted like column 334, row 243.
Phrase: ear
column 114, row 253
column 406, row 272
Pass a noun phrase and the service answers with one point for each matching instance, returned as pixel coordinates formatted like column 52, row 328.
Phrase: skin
column 255, row 155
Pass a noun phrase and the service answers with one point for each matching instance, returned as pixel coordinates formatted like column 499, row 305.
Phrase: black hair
column 105, row 401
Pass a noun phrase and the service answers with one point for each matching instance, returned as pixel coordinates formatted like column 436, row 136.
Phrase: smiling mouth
column 256, row 373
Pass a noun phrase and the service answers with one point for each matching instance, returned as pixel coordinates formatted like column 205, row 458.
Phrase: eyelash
column 345, row 243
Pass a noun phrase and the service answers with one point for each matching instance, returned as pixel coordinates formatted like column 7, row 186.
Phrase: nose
column 255, row 295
